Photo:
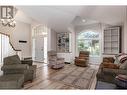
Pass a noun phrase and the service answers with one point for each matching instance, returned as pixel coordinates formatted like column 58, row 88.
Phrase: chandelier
column 7, row 16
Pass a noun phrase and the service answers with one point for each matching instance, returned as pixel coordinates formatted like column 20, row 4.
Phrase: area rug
column 105, row 85
column 78, row 77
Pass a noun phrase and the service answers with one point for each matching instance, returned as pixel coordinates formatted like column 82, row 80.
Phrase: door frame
column 33, row 49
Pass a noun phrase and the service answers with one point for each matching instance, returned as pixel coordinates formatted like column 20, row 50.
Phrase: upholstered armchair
column 13, row 65
column 83, row 59
column 54, row 61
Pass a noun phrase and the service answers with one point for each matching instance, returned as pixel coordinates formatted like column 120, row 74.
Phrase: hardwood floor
column 42, row 82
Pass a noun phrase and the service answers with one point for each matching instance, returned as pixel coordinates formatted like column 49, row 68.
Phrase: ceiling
column 60, row 18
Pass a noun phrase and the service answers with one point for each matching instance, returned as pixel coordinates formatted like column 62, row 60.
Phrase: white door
column 39, row 48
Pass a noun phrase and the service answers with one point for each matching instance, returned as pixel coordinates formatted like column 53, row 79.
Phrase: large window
column 89, row 41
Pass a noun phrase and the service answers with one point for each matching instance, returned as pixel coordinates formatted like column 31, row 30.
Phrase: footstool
column 11, row 81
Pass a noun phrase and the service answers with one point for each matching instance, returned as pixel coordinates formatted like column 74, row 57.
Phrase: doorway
column 39, row 44
column 39, row 49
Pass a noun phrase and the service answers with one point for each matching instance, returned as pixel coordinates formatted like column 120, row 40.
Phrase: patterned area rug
column 79, row 77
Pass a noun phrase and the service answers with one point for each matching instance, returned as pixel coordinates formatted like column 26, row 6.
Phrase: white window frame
column 89, row 39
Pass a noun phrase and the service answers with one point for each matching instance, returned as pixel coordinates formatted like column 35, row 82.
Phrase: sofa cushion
column 11, row 60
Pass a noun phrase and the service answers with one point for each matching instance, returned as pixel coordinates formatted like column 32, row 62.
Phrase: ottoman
column 11, row 81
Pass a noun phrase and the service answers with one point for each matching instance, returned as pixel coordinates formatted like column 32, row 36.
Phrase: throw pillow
column 121, row 57
column 124, row 65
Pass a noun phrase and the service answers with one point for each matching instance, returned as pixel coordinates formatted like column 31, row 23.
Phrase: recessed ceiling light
column 83, row 20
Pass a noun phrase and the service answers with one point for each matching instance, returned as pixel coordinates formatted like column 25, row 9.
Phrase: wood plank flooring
column 44, row 72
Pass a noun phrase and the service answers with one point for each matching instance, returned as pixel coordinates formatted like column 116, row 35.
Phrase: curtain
column 5, row 47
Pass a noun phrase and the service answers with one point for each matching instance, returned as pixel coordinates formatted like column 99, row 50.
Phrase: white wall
column 21, row 16
column 51, row 40
column 22, row 32
column 73, row 41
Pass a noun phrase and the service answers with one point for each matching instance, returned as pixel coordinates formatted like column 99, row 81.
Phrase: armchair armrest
column 76, row 57
column 29, row 62
column 115, row 71
column 15, row 67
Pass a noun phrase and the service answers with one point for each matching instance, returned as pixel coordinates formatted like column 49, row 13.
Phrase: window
column 5, row 48
column 89, row 41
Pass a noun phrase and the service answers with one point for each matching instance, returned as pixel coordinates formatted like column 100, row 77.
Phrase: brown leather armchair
column 83, row 59
column 108, row 70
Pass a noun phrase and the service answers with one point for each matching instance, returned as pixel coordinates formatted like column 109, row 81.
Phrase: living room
column 38, row 34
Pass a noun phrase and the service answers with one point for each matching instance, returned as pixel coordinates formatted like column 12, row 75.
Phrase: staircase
column 16, row 51
column 6, row 47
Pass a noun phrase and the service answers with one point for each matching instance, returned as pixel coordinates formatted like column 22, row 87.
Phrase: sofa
column 13, row 65
column 108, row 70
column 54, row 61
column 83, row 59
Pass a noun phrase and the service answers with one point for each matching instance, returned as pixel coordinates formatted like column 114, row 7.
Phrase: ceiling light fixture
column 83, row 20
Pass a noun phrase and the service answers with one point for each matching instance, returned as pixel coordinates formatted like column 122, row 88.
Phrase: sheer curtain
column 5, row 47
